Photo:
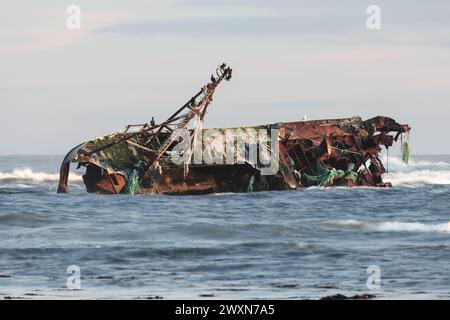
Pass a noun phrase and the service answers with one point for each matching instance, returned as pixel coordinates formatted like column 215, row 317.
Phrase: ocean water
column 291, row 244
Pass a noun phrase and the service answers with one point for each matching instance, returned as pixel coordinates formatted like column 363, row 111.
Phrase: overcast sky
column 132, row 60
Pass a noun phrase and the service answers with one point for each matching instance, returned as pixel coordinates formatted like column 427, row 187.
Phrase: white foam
column 418, row 177
column 396, row 164
column 28, row 174
column 412, row 226
column 392, row 226
column 417, row 172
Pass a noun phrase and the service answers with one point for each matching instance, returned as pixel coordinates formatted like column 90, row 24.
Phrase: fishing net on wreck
column 405, row 149
column 132, row 184
column 326, row 177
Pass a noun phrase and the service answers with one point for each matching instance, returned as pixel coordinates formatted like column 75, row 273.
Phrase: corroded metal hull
column 309, row 152
column 137, row 160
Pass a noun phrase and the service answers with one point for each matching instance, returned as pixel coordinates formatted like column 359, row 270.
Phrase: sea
column 393, row 243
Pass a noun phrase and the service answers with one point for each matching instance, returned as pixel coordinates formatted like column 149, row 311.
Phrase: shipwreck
column 147, row 158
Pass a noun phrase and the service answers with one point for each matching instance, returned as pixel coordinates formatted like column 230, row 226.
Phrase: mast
column 196, row 106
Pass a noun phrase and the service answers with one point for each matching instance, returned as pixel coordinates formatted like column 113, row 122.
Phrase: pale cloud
column 44, row 28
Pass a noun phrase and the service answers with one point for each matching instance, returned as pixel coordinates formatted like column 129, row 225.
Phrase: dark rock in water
column 104, row 278
column 154, row 298
column 149, row 298
column 326, row 286
column 206, row 295
column 364, row 296
column 286, row 285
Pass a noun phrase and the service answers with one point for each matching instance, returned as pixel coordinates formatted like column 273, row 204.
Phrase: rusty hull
column 333, row 152
column 306, row 147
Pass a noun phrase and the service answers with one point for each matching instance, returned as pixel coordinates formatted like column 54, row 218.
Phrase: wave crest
column 29, row 175
column 393, row 226
column 417, row 172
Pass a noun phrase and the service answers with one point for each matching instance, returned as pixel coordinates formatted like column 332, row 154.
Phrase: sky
column 132, row 60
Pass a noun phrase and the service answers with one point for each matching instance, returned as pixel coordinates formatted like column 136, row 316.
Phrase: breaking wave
column 28, row 175
column 393, row 226
column 419, row 178
column 417, row 172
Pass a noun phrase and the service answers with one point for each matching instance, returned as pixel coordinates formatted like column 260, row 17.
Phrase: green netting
column 132, row 182
column 104, row 165
column 264, row 182
column 405, row 152
column 326, row 176
column 351, row 175
column 250, row 184
column 334, row 174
